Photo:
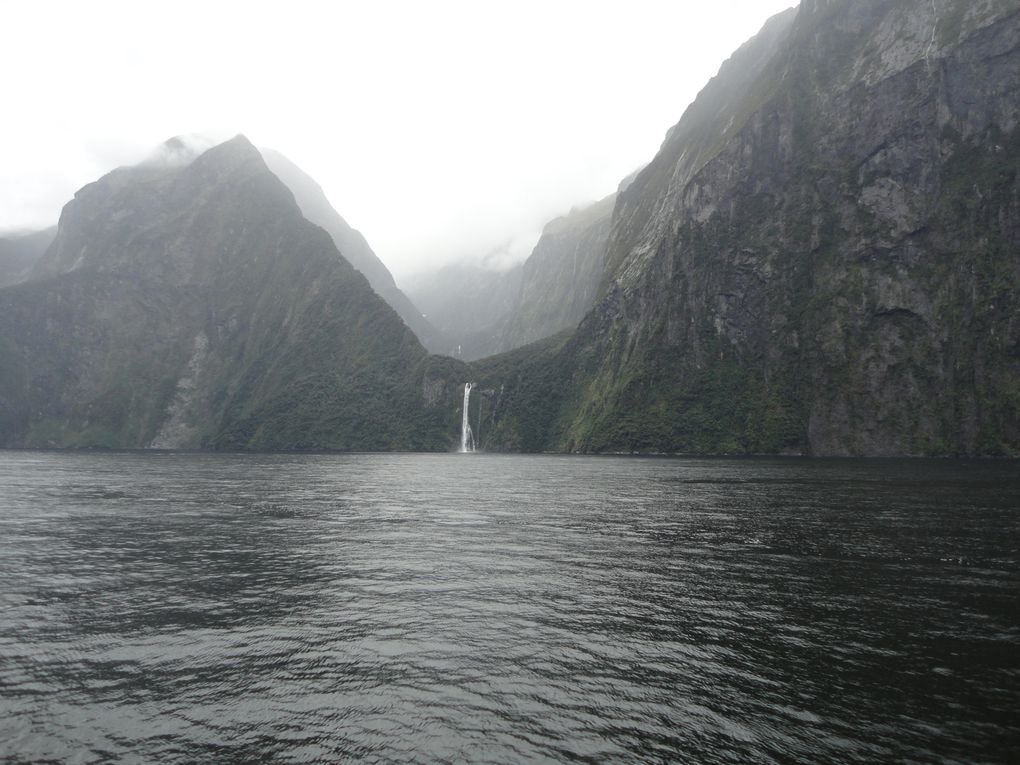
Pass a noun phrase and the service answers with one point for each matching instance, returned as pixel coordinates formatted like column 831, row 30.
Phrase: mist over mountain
column 560, row 279
column 821, row 259
column 19, row 253
column 469, row 303
column 317, row 209
column 191, row 305
column 485, row 311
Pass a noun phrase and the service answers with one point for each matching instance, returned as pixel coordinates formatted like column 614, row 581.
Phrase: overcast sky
column 441, row 130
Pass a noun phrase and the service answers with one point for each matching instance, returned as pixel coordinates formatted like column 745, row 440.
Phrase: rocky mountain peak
column 195, row 306
column 110, row 224
column 235, row 155
column 315, row 206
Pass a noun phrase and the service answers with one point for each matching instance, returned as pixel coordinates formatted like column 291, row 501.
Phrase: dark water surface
column 482, row 608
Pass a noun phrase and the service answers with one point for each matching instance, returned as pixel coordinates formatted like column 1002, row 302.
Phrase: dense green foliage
column 823, row 257
column 195, row 307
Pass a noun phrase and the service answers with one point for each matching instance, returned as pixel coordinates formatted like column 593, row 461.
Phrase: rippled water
column 482, row 608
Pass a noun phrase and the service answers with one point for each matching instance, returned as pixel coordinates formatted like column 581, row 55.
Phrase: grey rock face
column 484, row 312
column 19, row 253
column 823, row 257
column 352, row 245
column 560, row 279
column 177, row 429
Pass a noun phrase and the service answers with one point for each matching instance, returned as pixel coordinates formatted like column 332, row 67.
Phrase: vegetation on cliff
column 196, row 307
column 822, row 258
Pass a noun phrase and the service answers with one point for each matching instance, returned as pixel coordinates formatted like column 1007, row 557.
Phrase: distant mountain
column 486, row 311
column 821, row 259
column 316, row 208
column 191, row 304
column 19, row 253
column 469, row 304
column 560, row 279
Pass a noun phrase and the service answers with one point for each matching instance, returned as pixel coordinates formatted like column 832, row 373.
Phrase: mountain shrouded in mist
column 484, row 311
column 316, row 208
column 469, row 303
column 19, row 253
column 560, row 279
column 190, row 304
column 821, row 259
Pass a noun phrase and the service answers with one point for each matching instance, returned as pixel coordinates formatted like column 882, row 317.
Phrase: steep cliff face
column 194, row 306
column 353, row 246
column 823, row 257
column 485, row 311
column 20, row 252
column 561, row 277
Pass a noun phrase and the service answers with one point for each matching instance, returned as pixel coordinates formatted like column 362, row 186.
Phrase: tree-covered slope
column 194, row 306
column 824, row 257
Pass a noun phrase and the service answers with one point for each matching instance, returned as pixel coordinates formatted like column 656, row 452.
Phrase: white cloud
column 441, row 129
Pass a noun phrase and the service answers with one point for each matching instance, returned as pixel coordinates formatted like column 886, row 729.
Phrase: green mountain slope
column 194, row 306
column 822, row 258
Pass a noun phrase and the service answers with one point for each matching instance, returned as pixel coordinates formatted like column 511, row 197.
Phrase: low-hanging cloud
column 443, row 131
column 182, row 149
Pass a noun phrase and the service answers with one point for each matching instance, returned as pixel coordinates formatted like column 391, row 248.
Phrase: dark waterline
column 490, row 608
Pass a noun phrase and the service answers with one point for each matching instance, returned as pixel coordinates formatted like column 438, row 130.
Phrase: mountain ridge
column 821, row 259
column 353, row 246
column 195, row 307
column 484, row 311
column 798, row 286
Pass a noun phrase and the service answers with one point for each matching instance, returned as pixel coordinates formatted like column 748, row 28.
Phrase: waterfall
column 467, row 438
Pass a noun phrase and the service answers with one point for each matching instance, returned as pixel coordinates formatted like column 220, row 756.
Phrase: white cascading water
column 467, row 439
